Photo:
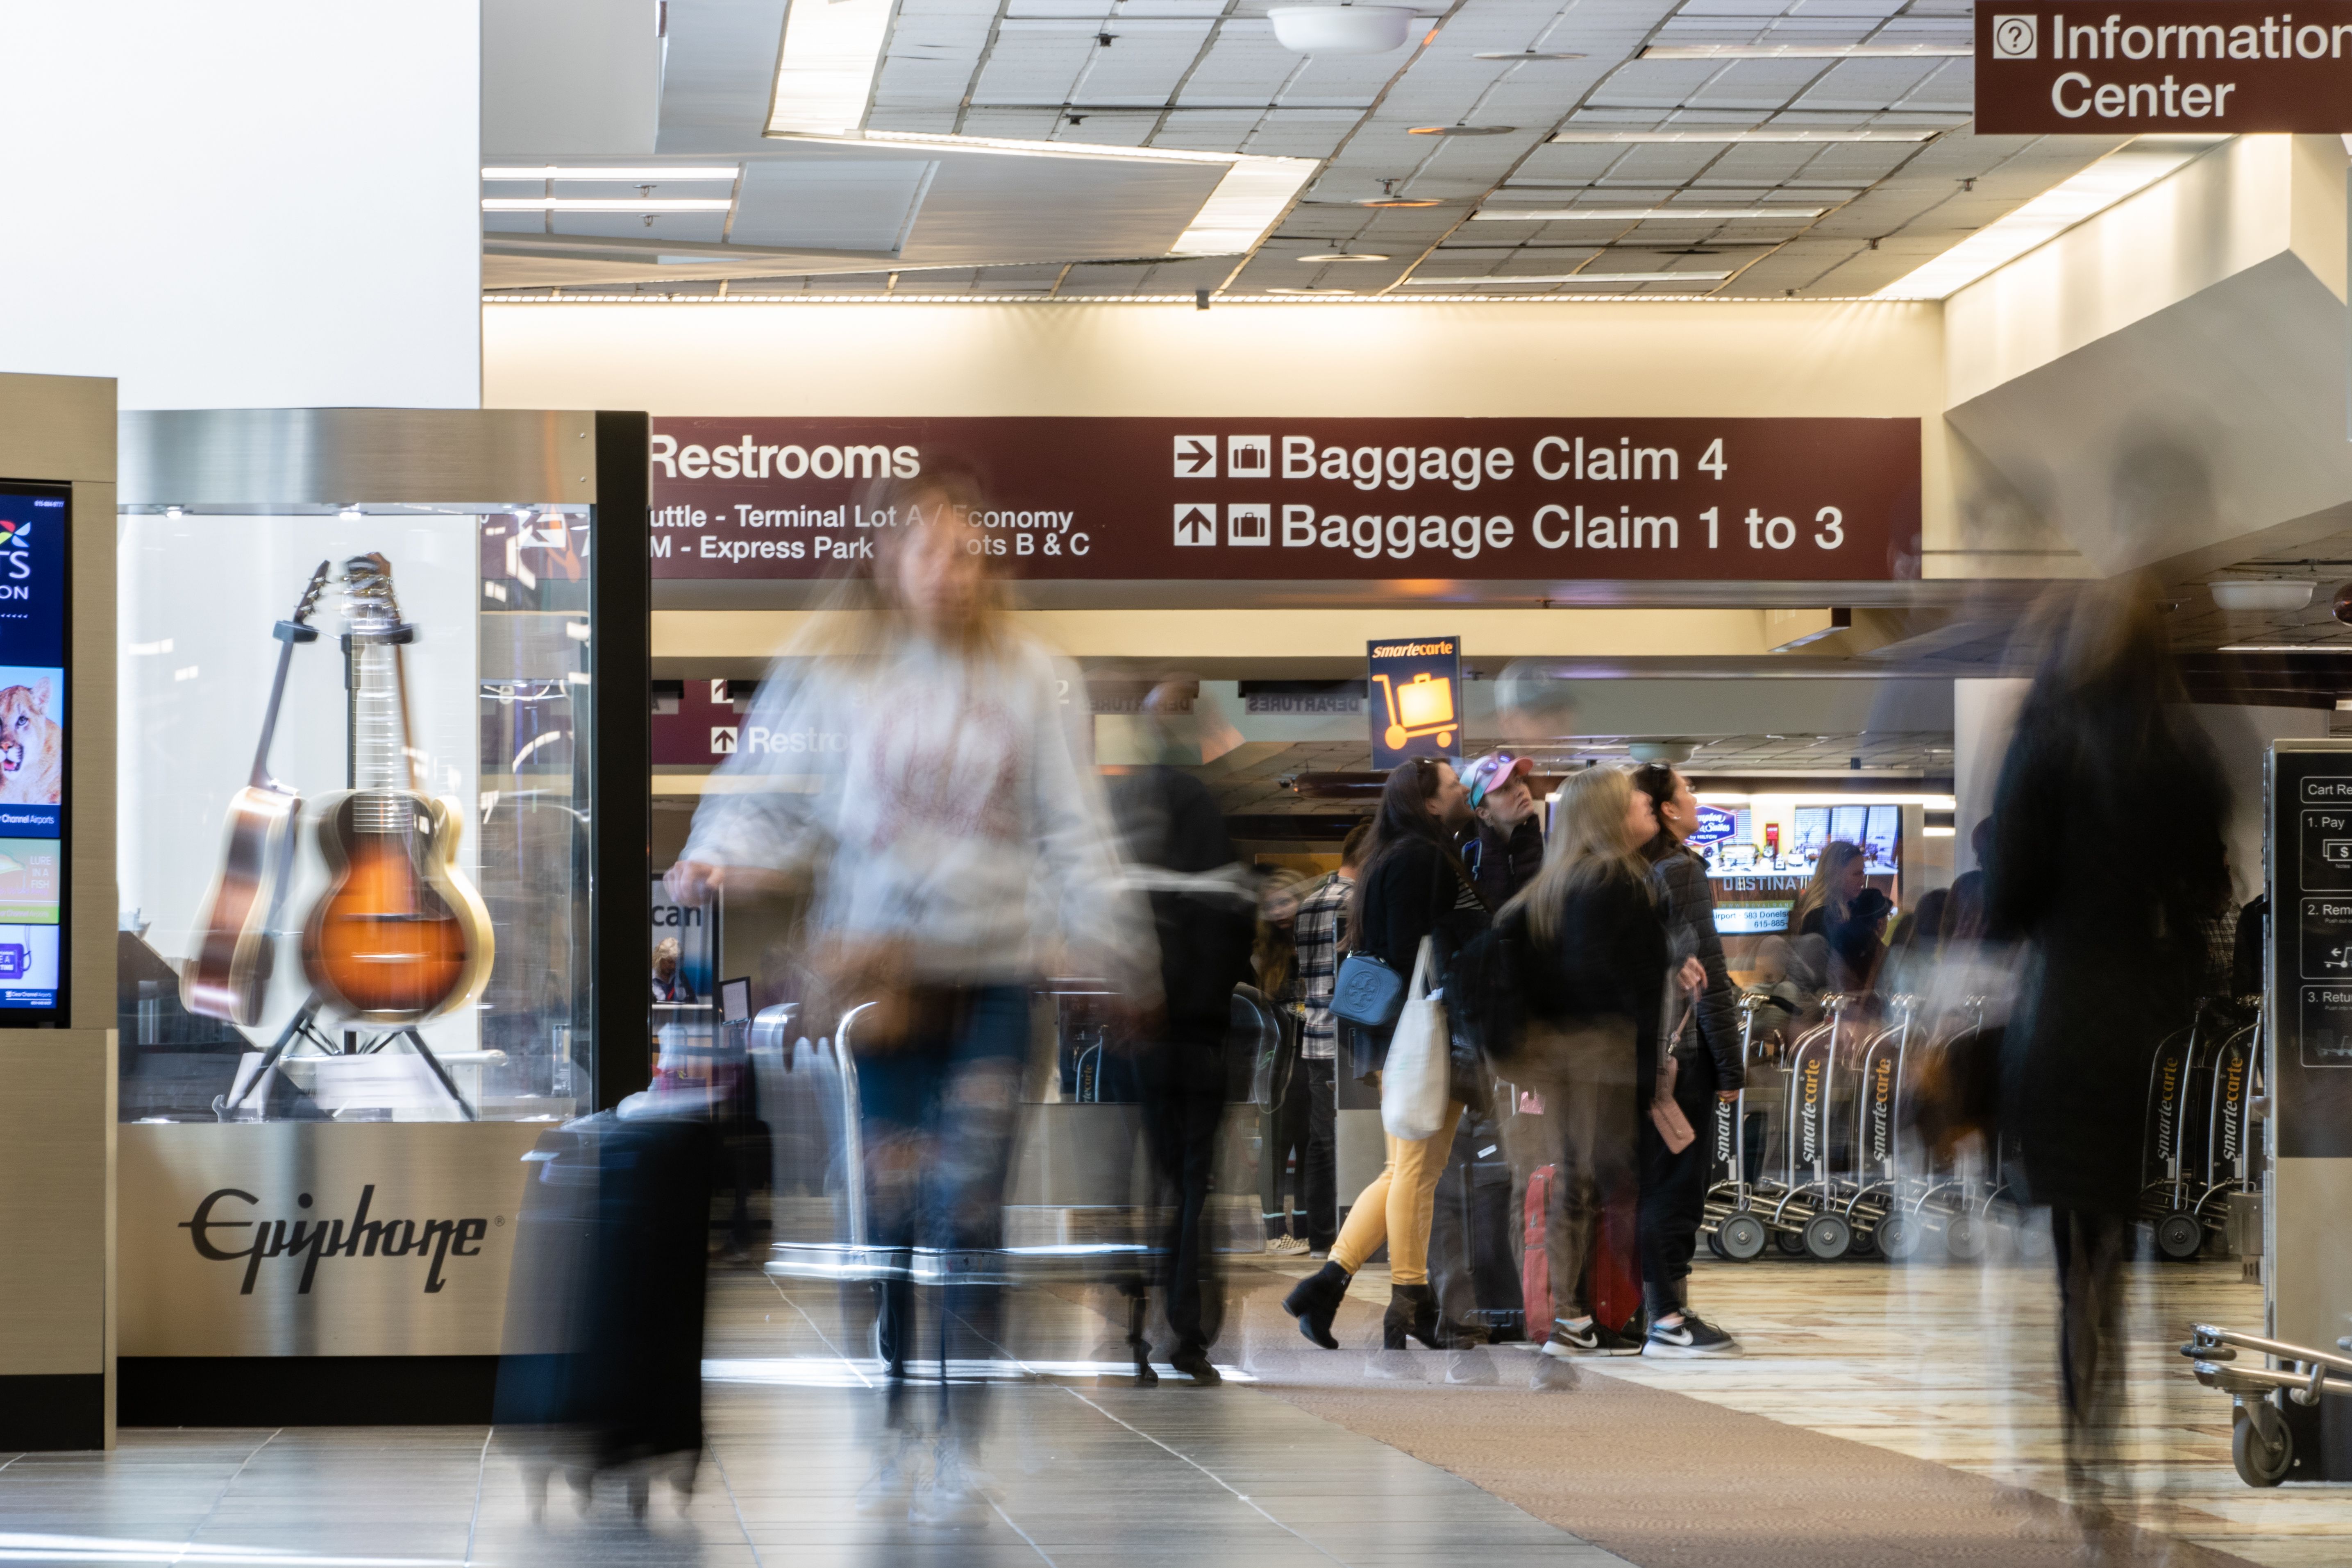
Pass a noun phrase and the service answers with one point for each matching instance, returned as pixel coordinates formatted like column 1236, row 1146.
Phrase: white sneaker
column 1287, row 1246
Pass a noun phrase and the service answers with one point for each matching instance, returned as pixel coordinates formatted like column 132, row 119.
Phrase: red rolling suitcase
column 1615, row 1265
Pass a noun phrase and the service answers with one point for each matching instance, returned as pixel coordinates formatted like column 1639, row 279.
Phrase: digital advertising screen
column 33, row 590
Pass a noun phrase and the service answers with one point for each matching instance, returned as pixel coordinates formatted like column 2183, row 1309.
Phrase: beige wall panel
column 59, row 428
column 55, row 1210
column 1292, row 634
column 1855, row 359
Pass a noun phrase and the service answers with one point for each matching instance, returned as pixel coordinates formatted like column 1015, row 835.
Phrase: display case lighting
column 1801, row 797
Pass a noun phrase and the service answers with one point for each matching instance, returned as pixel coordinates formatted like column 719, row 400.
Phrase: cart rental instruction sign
column 2190, row 67
column 1416, row 699
column 1287, row 500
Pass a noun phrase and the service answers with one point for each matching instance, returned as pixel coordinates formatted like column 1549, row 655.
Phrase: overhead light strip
column 825, row 71
column 1638, row 215
column 1583, row 138
column 1807, row 52
column 1596, row 280
column 606, row 204
column 2285, row 647
column 1027, row 149
column 2075, row 200
column 632, row 175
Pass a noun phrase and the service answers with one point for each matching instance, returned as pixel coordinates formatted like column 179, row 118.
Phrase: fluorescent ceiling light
column 1461, row 129
column 1581, row 137
column 1251, row 198
column 1593, row 279
column 2124, row 172
column 628, row 177
column 2288, row 647
column 1806, row 51
column 1797, row 793
column 606, row 204
column 1310, row 290
column 1322, row 256
column 1525, row 55
column 825, row 73
column 1636, row 215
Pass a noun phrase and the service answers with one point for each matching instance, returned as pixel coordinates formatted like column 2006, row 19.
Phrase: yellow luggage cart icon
column 1421, row 706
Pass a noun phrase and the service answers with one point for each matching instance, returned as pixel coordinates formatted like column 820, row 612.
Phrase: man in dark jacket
column 1707, row 1066
column 1504, row 843
column 1203, row 906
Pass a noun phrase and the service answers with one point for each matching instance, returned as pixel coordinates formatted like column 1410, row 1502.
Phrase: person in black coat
column 1204, row 910
column 2102, row 753
column 1706, row 1063
column 1414, row 887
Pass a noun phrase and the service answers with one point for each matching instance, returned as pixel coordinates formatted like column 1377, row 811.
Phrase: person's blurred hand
column 1727, row 1095
column 1694, row 976
column 694, row 882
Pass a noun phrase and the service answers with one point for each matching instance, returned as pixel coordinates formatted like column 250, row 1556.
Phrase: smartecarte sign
column 1279, row 500
column 1416, row 699
column 2196, row 67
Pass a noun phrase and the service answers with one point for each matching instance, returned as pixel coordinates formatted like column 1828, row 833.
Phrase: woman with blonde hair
column 1596, row 976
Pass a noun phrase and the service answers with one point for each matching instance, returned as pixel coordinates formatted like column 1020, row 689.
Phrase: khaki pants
column 1586, row 1133
column 1397, row 1206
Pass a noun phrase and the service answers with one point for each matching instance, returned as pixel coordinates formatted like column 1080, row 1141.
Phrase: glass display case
column 381, row 813
column 355, row 787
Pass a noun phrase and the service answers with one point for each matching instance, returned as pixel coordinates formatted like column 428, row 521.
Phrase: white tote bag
column 1413, row 1080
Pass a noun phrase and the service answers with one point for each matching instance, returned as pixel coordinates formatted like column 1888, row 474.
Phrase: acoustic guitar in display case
column 400, row 935
column 227, row 973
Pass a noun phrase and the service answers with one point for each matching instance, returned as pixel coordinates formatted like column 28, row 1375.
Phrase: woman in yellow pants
column 1413, row 886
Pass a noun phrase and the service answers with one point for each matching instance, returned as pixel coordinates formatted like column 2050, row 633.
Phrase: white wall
column 272, row 204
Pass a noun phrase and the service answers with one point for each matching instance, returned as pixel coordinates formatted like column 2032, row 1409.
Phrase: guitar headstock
column 369, row 602
column 310, row 594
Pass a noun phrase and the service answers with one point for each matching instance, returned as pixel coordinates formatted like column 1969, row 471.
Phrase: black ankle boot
column 1413, row 1310
column 1315, row 1301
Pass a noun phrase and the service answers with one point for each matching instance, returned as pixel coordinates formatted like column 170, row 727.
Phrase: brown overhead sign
column 2190, row 67
column 1274, row 498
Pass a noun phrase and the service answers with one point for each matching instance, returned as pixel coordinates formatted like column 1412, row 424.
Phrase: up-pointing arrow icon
column 1196, row 457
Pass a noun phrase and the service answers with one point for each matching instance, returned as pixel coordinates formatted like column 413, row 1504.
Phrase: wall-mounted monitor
column 35, row 593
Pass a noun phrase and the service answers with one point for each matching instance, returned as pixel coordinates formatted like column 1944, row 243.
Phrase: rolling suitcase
column 1615, row 1266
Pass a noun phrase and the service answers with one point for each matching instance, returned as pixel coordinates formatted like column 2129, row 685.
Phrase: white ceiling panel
column 851, row 205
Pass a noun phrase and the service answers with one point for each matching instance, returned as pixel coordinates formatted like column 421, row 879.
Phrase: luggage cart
column 2262, row 1445
column 2168, row 1156
column 2228, row 1167
column 1955, row 1202
column 1804, row 1218
column 1733, row 1230
column 1421, row 706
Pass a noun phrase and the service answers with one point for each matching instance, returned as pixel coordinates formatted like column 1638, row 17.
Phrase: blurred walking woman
column 952, row 841
column 1598, row 966
column 1413, row 886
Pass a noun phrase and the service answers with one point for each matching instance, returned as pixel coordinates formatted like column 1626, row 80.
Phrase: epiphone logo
column 314, row 1240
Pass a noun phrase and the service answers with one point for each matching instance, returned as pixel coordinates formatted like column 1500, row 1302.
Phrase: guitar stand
column 300, row 1027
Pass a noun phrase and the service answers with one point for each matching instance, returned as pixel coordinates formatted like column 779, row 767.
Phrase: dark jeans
column 2089, row 1250
column 937, row 1111
column 1304, row 1125
column 1182, row 1083
column 1674, row 1201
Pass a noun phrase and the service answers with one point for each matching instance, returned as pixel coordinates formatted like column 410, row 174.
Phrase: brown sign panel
column 2187, row 66
column 1275, row 499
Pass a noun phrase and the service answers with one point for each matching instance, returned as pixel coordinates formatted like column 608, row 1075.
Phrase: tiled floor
column 1946, row 1364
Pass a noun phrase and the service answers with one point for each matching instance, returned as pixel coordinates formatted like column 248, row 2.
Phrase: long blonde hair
column 1589, row 843
column 1821, row 892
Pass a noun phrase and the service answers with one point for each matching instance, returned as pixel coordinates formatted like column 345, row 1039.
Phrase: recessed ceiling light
column 1590, row 279
column 1320, row 255
column 1805, row 51
column 1638, row 215
column 1461, row 129
column 825, row 71
column 1525, row 55
column 1581, row 137
column 629, row 176
column 1400, row 202
column 606, row 204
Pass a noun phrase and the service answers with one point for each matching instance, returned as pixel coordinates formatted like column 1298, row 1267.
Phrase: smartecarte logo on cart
column 226, row 1217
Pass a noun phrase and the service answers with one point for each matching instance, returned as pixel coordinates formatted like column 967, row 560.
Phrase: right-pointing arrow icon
column 1196, row 457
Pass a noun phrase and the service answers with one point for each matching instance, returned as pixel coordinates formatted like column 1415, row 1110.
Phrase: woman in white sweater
column 911, row 763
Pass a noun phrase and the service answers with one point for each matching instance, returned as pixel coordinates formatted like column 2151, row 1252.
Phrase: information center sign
column 2188, row 67
column 1280, row 500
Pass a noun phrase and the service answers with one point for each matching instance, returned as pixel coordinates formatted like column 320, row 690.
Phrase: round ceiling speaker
column 1673, row 753
column 2250, row 594
column 1341, row 29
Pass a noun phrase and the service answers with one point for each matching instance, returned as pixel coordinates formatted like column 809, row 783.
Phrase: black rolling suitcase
column 603, row 1362
column 1473, row 1254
